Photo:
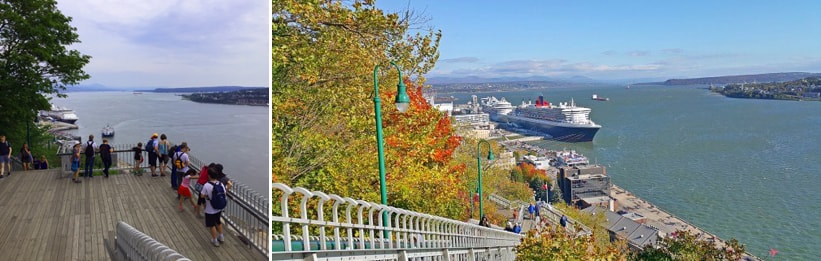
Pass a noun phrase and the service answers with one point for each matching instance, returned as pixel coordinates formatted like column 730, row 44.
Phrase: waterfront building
column 477, row 126
column 623, row 227
column 505, row 160
column 584, row 186
column 540, row 162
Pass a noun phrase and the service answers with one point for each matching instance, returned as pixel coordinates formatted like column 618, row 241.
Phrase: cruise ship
column 563, row 122
column 62, row 114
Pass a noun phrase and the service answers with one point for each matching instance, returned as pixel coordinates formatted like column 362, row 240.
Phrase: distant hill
column 204, row 89
column 475, row 79
column 721, row 80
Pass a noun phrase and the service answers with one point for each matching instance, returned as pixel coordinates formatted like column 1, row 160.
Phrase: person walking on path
column 25, row 157
column 185, row 192
column 153, row 150
column 515, row 214
column 536, row 207
column 138, row 158
column 210, row 191
column 531, row 209
column 75, row 162
column 90, row 149
column 163, row 150
column 5, row 155
column 105, row 155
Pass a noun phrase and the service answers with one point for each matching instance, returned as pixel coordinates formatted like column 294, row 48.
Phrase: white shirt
column 206, row 192
column 85, row 144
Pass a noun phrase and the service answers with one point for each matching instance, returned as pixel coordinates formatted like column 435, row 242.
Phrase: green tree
column 34, row 60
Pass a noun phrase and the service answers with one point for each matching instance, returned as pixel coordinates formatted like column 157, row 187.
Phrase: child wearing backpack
column 138, row 158
column 184, row 191
column 214, row 193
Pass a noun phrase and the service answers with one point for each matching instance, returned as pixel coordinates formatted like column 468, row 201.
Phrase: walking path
column 44, row 216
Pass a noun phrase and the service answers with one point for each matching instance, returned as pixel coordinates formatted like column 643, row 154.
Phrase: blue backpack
column 149, row 146
column 218, row 200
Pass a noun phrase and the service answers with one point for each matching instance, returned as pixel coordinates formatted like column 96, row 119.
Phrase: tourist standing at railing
column 223, row 178
column 25, row 157
column 175, row 182
column 212, row 214
column 138, row 158
column 75, row 162
column 5, row 155
column 163, row 150
column 105, row 156
column 90, row 149
column 180, row 162
column 153, row 150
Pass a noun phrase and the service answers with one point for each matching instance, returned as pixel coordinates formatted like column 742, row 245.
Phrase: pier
column 47, row 217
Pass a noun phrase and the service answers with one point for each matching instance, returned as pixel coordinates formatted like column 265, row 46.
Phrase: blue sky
column 173, row 43
column 621, row 40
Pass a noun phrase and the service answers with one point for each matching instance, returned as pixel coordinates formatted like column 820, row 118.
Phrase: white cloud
column 173, row 43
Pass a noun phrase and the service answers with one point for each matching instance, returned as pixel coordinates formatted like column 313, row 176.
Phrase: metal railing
column 131, row 244
column 355, row 228
column 247, row 212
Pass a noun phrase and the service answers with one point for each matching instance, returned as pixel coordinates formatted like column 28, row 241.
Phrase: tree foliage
column 683, row 245
column 34, row 60
column 323, row 125
column 555, row 243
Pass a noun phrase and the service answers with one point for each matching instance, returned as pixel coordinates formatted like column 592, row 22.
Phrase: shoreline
column 627, row 201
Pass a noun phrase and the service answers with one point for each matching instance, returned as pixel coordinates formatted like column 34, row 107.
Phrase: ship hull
column 556, row 130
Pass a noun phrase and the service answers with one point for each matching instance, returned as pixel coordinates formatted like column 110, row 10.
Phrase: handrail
column 247, row 214
column 357, row 226
column 131, row 244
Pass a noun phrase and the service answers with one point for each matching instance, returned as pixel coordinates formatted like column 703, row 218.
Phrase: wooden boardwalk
column 44, row 216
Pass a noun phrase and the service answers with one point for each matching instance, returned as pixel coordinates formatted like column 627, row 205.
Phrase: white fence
column 356, row 229
column 131, row 244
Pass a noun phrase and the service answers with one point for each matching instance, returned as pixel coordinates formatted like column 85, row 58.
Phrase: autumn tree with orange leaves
column 323, row 56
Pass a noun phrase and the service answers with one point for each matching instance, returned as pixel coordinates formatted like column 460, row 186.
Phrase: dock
column 47, row 217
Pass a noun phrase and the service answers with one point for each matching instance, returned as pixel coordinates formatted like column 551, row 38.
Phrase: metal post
column 401, row 98
column 479, row 167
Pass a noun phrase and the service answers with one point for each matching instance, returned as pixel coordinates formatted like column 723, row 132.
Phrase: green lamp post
column 402, row 104
column 479, row 167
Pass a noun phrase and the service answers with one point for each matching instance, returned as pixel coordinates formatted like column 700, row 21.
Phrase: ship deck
column 47, row 217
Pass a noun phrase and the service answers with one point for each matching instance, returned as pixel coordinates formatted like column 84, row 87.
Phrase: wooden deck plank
column 47, row 217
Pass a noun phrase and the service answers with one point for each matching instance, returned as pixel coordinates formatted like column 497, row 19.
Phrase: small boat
column 597, row 98
column 108, row 131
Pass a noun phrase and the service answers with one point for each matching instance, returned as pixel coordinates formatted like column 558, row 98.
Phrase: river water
column 233, row 135
column 739, row 168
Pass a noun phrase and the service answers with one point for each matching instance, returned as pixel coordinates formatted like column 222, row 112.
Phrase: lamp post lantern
column 479, row 167
column 402, row 104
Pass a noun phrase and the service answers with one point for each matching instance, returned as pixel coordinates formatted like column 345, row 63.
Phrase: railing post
column 303, row 215
column 321, row 217
column 337, row 240
column 351, row 203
